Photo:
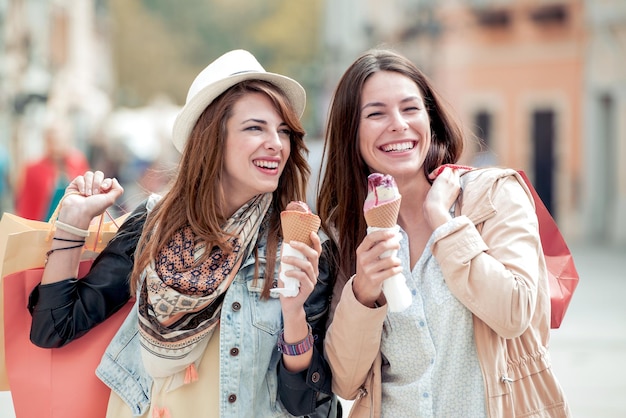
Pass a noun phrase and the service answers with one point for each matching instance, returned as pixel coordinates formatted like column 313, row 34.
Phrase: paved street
column 589, row 350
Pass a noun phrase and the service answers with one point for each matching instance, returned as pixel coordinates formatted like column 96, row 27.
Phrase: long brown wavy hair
column 343, row 184
column 196, row 197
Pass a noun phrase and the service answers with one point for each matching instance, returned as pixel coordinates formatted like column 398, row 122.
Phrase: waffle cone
column 297, row 226
column 383, row 216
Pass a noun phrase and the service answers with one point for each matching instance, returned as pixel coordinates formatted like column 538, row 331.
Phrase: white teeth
column 402, row 146
column 266, row 164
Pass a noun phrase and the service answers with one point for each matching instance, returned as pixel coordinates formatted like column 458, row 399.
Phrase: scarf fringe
column 161, row 412
column 191, row 374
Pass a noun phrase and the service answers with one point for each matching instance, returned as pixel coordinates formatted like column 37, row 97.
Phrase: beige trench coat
column 498, row 272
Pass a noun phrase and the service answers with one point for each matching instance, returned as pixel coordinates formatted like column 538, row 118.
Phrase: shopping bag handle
column 99, row 230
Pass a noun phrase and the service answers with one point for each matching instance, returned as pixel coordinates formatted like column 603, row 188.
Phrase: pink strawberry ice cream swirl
column 298, row 206
column 381, row 189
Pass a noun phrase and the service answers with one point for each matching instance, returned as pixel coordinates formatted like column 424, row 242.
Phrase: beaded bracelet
column 71, row 229
column 82, row 241
column 298, row 348
column 49, row 252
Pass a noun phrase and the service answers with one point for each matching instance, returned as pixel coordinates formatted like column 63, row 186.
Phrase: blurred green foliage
column 159, row 46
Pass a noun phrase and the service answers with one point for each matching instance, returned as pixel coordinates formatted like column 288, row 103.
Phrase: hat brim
column 189, row 114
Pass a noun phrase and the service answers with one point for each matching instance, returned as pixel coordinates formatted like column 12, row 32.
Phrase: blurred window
column 544, row 134
column 549, row 14
column 493, row 18
column 482, row 121
column 484, row 155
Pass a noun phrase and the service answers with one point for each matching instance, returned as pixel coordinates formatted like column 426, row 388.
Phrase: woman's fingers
column 94, row 182
column 436, row 172
column 96, row 185
column 87, row 191
column 309, row 266
column 376, row 262
column 90, row 194
column 112, row 185
column 76, row 185
column 377, row 243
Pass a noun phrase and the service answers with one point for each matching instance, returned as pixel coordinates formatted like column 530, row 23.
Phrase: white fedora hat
column 231, row 68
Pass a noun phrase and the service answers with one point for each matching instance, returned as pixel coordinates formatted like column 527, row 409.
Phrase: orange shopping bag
column 57, row 382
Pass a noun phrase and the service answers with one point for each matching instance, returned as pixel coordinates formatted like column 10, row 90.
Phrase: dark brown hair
column 344, row 180
column 196, row 197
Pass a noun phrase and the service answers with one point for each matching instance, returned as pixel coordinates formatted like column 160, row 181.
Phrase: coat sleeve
column 66, row 310
column 303, row 392
column 494, row 272
column 353, row 342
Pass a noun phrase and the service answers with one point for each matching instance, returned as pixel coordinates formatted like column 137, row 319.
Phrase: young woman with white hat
column 202, row 338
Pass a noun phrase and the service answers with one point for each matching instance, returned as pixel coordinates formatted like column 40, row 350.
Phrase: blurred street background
column 539, row 85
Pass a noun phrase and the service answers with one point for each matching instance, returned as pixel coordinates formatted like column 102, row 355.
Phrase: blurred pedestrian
column 474, row 340
column 41, row 184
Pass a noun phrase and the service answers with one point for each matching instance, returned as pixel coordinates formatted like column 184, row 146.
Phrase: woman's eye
column 374, row 114
column 253, row 128
column 286, row 132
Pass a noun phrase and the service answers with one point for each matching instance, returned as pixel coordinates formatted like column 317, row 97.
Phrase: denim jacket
column 253, row 379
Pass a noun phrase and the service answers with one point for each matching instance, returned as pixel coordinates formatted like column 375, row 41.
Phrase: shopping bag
column 57, row 382
column 562, row 275
column 23, row 245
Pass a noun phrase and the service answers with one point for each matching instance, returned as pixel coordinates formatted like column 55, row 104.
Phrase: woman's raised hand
column 442, row 195
column 88, row 196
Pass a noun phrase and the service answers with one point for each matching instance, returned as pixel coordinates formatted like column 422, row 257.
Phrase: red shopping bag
column 562, row 274
column 57, row 382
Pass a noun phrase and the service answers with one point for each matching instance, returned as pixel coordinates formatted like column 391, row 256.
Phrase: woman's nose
column 273, row 142
column 398, row 123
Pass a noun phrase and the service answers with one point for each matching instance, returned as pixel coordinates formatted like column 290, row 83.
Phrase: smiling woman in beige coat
column 473, row 341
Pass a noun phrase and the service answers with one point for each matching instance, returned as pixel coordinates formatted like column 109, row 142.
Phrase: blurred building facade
column 539, row 84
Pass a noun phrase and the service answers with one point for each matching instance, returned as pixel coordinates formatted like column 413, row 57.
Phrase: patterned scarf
column 180, row 301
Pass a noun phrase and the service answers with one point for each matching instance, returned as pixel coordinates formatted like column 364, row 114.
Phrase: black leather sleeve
column 66, row 310
column 309, row 392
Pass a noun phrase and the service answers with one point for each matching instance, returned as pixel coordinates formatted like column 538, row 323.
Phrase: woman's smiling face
column 258, row 144
column 394, row 130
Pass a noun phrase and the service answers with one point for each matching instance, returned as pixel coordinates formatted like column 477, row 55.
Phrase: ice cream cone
column 380, row 209
column 297, row 226
column 384, row 215
column 297, row 222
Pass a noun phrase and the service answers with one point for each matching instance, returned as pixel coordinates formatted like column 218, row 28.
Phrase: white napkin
column 396, row 291
column 292, row 286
